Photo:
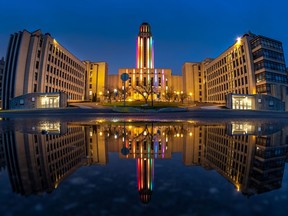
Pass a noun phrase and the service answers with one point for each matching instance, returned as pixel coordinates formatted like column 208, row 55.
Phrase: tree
column 170, row 94
column 183, row 96
column 108, row 93
column 145, row 91
column 121, row 93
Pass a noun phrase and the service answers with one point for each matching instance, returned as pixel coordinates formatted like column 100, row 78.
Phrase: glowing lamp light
column 238, row 41
column 238, row 187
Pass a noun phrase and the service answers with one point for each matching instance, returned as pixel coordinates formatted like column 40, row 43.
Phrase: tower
column 145, row 47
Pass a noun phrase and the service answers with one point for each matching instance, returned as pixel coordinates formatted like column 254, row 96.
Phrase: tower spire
column 145, row 47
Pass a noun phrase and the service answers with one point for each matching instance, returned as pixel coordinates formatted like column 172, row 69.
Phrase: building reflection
column 38, row 161
column 2, row 156
column 250, row 155
column 253, row 161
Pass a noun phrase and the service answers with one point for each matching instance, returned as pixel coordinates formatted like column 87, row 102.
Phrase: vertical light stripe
column 152, row 47
column 150, row 53
column 152, row 171
column 148, row 173
column 137, row 52
column 147, row 53
column 141, row 53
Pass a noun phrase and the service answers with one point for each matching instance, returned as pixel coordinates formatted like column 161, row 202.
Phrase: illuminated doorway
column 242, row 102
column 49, row 101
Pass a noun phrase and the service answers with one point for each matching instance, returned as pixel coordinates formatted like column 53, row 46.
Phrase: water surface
column 126, row 167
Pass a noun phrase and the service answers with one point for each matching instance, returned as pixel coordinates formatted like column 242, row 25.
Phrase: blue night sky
column 183, row 30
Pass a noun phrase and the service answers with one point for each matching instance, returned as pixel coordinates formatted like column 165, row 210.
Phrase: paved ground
column 92, row 111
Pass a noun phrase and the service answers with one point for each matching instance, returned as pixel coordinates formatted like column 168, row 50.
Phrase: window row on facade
column 266, row 43
column 235, row 56
column 55, row 50
column 268, row 54
column 70, row 70
column 270, row 65
column 65, row 77
column 145, row 81
column 271, row 77
column 237, row 71
column 55, row 83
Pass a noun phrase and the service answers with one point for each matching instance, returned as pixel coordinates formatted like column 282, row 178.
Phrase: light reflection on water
column 101, row 166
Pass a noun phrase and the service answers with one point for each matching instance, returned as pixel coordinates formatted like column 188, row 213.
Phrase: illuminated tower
column 145, row 47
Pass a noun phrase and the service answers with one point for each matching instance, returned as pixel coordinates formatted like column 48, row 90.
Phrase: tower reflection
column 251, row 156
column 145, row 143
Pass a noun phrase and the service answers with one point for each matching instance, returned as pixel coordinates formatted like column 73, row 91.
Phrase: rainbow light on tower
column 145, row 47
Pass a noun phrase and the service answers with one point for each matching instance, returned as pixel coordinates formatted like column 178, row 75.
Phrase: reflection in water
column 251, row 156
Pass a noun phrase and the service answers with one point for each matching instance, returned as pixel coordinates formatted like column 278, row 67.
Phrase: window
column 271, row 103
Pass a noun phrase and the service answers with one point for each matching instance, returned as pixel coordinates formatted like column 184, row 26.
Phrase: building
column 2, row 62
column 37, row 63
column 96, row 80
column 177, row 86
column 253, row 65
column 194, row 80
column 145, row 78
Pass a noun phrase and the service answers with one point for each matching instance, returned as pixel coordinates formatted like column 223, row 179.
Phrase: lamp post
column 124, row 78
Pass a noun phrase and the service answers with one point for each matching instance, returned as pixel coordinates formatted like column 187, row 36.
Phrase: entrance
column 49, row 102
column 241, row 102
